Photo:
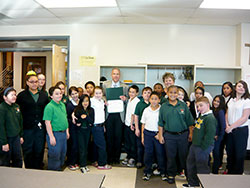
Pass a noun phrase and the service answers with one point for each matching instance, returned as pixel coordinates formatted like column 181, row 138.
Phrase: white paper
column 115, row 106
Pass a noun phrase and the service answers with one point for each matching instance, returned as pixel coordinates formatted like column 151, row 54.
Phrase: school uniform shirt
column 57, row 115
column 150, row 119
column 235, row 110
column 205, row 130
column 175, row 118
column 140, row 107
column 130, row 110
column 11, row 122
column 99, row 108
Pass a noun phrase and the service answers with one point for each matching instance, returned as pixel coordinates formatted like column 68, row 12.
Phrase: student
column 175, row 120
column 90, row 86
column 85, row 119
column 227, row 90
column 150, row 138
column 80, row 91
column 11, row 130
column 129, row 129
column 55, row 117
column 62, row 86
column 202, row 143
column 158, row 87
column 219, row 110
column 41, row 82
column 97, row 130
column 168, row 80
column 72, row 146
column 181, row 96
column 237, row 128
column 206, row 94
column 32, row 103
column 199, row 92
column 144, row 103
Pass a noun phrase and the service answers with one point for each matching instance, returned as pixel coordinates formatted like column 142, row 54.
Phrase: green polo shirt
column 11, row 122
column 205, row 130
column 163, row 100
column 140, row 108
column 175, row 118
column 57, row 115
column 35, row 96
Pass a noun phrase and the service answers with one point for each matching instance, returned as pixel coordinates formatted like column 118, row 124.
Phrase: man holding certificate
column 115, row 92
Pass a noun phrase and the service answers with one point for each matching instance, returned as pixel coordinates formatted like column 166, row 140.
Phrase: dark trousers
column 72, row 151
column 217, row 155
column 13, row 157
column 176, row 148
column 100, row 144
column 140, row 148
column 33, row 147
column 153, row 146
column 114, row 129
column 222, row 147
column 236, row 150
column 130, row 142
column 83, row 135
column 57, row 153
column 197, row 163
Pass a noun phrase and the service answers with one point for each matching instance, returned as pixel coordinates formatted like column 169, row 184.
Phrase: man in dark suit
column 114, row 122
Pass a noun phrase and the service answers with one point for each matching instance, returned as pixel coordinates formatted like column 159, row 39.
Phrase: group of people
column 164, row 129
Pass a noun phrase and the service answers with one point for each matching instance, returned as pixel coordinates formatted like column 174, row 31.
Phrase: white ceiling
column 29, row 12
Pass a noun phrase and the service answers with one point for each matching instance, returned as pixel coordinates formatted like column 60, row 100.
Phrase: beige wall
column 18, row 67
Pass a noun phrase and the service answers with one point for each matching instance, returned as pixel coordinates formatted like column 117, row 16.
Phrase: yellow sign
column 87, row 61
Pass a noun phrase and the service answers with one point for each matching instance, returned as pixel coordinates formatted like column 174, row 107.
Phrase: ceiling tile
column 158, row 12
column 93, row 20
column 160, row 3
column 77, row 12
column 18, row 4
column 26, row 13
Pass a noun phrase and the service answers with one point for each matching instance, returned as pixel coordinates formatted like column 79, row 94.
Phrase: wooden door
column 58, row 65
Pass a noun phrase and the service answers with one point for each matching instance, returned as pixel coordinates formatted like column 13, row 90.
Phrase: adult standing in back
column 32, row 103
column 114, row 122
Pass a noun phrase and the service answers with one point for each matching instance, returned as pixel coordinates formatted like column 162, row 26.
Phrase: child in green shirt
column 55, row 117
column 202, row 143
column 11, row 130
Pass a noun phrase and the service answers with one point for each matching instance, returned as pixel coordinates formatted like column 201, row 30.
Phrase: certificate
column 114, row 93
column 115, row 106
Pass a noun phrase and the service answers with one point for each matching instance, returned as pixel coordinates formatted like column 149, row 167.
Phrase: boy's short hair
column 159, row 84
column 147, row 89
column 135, row 87
column 203, row 99
column 168, row 75
column 173, row 86
column 155, row 93
column 52, row 89
column 98, row 87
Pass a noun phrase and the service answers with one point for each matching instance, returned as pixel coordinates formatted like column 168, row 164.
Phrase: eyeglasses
column 33, row 82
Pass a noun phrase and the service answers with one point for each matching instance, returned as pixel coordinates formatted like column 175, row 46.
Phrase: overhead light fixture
column 76, row 3
column 225, row 4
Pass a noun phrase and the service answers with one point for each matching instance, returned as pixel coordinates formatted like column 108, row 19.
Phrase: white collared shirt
column 235, row 110
column 99, row 107
column 115, row 84
column 150, row 118
column 130, row 110
column 206, row 113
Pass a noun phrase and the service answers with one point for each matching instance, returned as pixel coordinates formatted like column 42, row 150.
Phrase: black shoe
column 146, row 177
column 187, row 185
column 171, row 180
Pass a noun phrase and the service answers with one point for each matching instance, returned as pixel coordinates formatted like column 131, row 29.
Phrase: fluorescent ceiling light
column 226, row 4
column 76, row 3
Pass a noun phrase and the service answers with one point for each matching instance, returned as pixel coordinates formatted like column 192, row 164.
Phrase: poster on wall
column 87, row 61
